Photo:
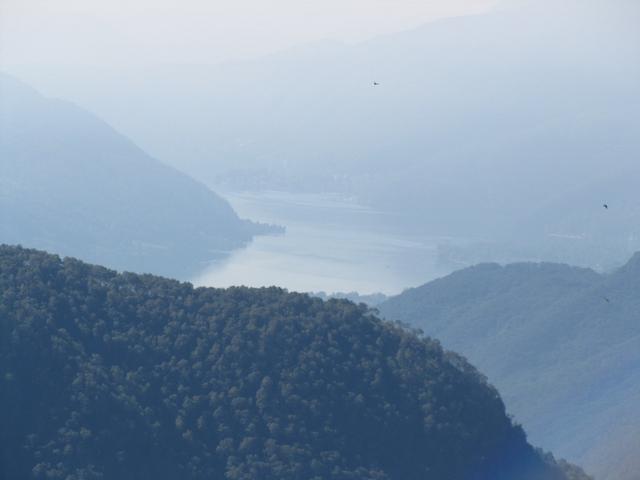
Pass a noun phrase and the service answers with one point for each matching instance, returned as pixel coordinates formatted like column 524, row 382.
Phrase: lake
column 331, row 244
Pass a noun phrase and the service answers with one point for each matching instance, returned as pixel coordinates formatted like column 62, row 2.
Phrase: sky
column 119, row 33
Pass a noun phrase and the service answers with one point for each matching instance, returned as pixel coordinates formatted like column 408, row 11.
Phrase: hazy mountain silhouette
column 73, row 185
column 562, row 344
column 478, row 123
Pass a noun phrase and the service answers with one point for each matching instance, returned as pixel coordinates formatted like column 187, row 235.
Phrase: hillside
column 71, row 184
column 108, row 375
column 568, row 337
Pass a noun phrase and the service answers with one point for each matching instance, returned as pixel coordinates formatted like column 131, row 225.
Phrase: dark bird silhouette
column 375, row 84
column 606, row 206
column 606, row 299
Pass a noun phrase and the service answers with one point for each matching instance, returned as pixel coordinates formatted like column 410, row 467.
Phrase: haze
column 496, row 133
column 467, row 167
column 79, row 34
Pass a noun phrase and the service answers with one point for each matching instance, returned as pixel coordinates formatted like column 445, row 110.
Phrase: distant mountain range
column 478, row 123
column 124, row 376
column 73, row 185
column 562, row 345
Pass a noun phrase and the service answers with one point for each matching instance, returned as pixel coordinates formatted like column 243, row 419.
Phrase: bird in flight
column 375, row 84
column 605, row 206
column 606, row 299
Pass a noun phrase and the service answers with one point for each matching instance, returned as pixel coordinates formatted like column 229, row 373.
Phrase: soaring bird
column 375, row 84
column 605, row 206
column 606, row 299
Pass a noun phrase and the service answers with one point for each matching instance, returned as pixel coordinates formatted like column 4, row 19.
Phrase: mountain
column 477, row 122
column 108, row 375
column 72, row 184
column 567, row 337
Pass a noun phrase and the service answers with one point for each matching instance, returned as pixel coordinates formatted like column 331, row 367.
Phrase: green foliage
column 108, row 375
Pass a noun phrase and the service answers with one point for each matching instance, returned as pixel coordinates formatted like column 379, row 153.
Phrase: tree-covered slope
column 108, row 375
column 71, row 184
column 567, row 337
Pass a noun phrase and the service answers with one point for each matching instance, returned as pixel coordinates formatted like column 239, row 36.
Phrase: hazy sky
column 121, row 32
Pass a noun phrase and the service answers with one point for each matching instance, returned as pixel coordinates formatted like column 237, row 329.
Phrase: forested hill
column 71, row 184
column 568, row 337
column 108, row 375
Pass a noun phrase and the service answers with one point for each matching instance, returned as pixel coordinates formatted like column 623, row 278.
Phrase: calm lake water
column 331, row 245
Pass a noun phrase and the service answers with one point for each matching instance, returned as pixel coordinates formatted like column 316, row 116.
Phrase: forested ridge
column 125, row 376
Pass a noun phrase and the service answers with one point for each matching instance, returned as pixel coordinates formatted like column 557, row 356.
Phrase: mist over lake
column 331, row 244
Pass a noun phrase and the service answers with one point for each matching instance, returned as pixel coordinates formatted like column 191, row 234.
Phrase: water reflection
column 331, row 245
